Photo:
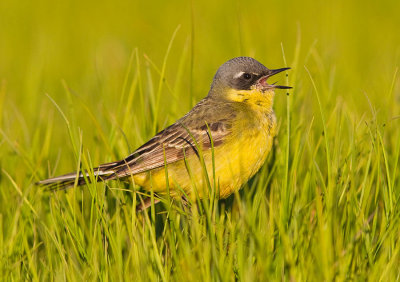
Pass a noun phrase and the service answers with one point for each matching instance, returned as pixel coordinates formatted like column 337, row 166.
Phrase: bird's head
column 244, row 79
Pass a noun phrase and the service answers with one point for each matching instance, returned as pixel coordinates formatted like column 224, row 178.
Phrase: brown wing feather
column 179, row 140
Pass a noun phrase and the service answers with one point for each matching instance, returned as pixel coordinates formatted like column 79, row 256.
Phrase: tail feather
column 65, row 181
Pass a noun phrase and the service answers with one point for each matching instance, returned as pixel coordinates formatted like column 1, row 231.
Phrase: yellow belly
column 235, row 161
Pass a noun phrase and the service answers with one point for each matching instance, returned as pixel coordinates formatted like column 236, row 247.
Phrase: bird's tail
column 65, row 181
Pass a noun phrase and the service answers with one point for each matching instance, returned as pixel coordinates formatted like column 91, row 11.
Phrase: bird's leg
column 185, row 204
column 145, row 204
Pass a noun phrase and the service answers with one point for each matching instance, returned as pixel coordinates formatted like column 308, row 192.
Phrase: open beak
column 263, row 80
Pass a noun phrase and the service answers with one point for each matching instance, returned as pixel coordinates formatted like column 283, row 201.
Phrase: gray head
column 243, row 73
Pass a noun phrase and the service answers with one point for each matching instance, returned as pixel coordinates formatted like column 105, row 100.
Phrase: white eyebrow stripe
column 239, row 74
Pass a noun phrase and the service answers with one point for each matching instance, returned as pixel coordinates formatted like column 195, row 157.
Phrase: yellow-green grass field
column 87, row 82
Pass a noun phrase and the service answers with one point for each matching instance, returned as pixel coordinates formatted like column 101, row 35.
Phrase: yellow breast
column 245, row 154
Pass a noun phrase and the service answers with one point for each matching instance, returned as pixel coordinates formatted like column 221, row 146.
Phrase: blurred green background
column 122, row 70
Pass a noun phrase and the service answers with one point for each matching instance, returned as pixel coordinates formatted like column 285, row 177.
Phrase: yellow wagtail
column 228, row 135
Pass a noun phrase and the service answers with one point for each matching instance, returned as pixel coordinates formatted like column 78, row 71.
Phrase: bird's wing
column 203, row 127
column 208, row 120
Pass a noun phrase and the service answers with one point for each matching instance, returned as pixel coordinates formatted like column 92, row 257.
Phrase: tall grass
column 87, row 83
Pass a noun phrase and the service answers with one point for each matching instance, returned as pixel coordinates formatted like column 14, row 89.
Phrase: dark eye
column 247, row 76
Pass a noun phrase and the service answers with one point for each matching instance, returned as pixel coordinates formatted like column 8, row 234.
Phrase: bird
column 223, row 140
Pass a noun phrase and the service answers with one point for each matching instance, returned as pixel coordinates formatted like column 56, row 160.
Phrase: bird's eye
column 247, row 76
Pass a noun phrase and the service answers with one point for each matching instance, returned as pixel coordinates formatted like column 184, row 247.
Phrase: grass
column 87, row 83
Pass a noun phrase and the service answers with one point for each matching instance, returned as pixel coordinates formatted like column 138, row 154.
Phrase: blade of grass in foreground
column 321, row 110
